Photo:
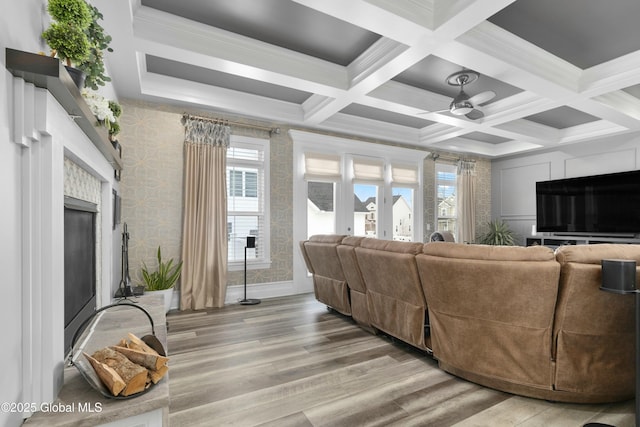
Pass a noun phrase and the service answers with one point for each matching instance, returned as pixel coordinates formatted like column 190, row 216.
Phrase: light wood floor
column 290, row 362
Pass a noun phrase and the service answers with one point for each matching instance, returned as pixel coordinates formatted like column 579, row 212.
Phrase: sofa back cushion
column 396, row 301
column 329, row 283
column 323, row 255
column 491, row 310
column 350, row 267
column 591, row 322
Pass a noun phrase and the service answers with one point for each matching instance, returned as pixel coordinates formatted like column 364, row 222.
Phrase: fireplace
column 59, row 159
column 79, row 265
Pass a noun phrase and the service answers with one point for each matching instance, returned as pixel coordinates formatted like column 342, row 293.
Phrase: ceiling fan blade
column 482, row 97
column 475, row 114
column 436, row 111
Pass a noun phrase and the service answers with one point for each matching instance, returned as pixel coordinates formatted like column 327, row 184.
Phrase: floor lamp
column 251, row 243
column 619, row 276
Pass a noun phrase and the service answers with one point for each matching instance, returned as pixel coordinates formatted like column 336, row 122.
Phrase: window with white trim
column 248, row 201
column 405, row 182
column 446, row 201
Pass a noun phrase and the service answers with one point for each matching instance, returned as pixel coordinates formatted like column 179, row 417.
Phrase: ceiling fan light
column 461, row 108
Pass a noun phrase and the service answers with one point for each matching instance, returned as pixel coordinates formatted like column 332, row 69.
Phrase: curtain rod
column 271, row 130
column 446, row 158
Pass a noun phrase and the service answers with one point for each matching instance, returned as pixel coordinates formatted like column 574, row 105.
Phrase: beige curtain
column 466, row 201
column 204, row 236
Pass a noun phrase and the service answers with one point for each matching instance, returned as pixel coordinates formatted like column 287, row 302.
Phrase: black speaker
column 251, row 243
column 618, row 275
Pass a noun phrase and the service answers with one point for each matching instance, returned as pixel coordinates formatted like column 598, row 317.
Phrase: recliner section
column 329, row 284
column 527, row 321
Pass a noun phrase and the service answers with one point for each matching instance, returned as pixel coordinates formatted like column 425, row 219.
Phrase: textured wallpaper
column 483, row 194
column 151, row 188
column 151, row 184
column 152, row 140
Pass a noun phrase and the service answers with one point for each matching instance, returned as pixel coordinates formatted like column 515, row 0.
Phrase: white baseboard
column 257, row 290
column 263, row 290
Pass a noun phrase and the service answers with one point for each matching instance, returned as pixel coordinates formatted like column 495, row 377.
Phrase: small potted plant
column 114, row 127
column 66, row 35
column 162, row 278
column 499, row 234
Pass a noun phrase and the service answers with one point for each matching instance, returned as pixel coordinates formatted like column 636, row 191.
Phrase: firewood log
column 133, row 375
column 137, row 344
column 109, row 377
column 148, row 360
column 157, row 375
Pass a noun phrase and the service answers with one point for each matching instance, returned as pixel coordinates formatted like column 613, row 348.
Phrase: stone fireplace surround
column 56, row 151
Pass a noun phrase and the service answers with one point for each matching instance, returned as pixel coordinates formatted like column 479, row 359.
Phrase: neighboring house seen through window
column 248, row 201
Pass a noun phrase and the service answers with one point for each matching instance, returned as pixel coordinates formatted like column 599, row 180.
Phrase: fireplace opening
column 79, row 265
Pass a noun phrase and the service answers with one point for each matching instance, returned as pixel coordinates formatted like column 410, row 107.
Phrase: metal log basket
column 92, row 336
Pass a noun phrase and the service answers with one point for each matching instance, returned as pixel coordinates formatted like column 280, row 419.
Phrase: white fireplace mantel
column 48, row 132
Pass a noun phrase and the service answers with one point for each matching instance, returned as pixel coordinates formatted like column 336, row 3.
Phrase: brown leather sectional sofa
column 528, row 321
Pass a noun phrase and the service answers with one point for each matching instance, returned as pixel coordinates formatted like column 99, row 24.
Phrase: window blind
column 368, row 170
column 403, row 174
column 321, row 166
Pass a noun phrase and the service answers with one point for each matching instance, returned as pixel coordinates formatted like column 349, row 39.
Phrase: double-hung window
column 446, row 189
column 248, row 201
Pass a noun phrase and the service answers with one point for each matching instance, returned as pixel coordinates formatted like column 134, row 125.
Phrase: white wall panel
column 596, row 164
column 518, row 188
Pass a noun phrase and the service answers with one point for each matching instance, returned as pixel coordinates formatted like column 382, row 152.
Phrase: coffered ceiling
column 563, row 72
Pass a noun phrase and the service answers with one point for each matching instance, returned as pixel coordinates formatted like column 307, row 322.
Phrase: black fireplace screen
column 79, row 265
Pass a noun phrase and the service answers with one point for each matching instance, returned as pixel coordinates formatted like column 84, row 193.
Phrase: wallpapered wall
column 152, row 140
column 483, row 194
column 151, row 188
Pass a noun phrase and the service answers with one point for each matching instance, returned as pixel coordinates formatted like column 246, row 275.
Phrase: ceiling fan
column 463, row 104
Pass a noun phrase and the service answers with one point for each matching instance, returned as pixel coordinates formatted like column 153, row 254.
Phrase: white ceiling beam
column 218, row 98
column 396, row 60
column 370, row 128
column 452, row 15
column 167, row 36
column 404, row 21
column 618, row 73
column 591, row 130
column 502, row 55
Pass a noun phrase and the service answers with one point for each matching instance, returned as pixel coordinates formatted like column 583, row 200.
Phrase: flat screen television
column 598, row 204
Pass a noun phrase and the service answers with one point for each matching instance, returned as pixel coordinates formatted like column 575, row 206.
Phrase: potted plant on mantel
column 77, row 38
column 162, row 278
column 66, row 35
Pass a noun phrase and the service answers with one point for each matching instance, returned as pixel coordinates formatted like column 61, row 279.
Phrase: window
column 405, row 183
column 247, row 201
column 446, row 189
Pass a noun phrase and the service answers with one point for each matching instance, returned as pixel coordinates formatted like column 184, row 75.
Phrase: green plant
column 114, row 129
column 67, row 41
column 499, row 234
column 114, row 126
column 115, row 108
column 93, row 65
column 76, row 12
column 164, row 276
